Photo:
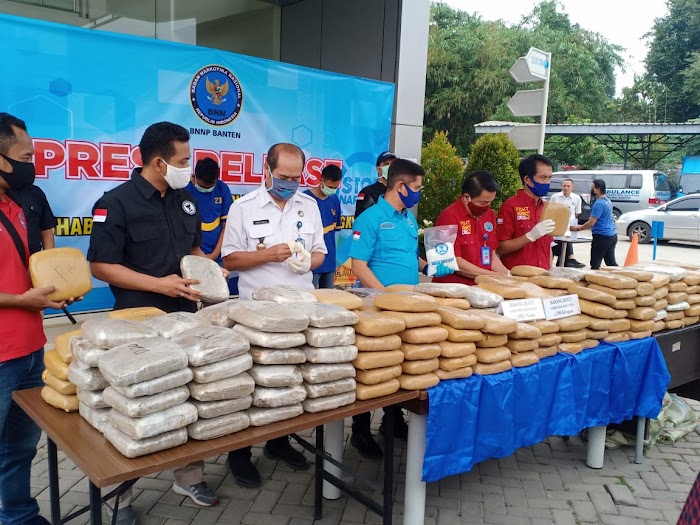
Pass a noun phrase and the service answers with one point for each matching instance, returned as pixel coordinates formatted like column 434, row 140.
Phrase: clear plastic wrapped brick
column 86, row 351
column 269, row 356
column 210, row 409
column 157, row 385
column 108, row 333
column 323, row 373
column 326, row 337
column 264, row 416
column 97, row 418
column 92, row 398
column 218, row 426
column 274, row 376
column 231, row 388
column 269, row 339
column 321, row 404
column 133, row 448
column 141, row 361
column 268, row 316
column 217, row 314
column 265, row 397
column 322, row 315
column 154, row 424
column 144, row 405
column 333, row 354
column 223, row 369
column 212, row 284
column 330, row 388
column 86, row 377
column 210, row 344
column 283, row 294
column 174, row 323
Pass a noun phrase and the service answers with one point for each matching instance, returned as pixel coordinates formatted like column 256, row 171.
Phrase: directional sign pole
column 545, row 98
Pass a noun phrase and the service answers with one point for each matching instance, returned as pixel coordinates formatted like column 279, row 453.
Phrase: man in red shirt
column 476, row 243
column 523, row 239
column 21, row 332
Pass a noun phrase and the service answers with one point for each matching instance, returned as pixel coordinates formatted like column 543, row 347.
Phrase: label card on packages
column 564, row 306
column 522, row 309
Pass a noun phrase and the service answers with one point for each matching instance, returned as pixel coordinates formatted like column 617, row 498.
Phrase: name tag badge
column 485, row 256
column 387, row 226
column 263, row 221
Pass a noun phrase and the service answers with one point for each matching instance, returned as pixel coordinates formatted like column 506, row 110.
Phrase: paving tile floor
column 547, row 483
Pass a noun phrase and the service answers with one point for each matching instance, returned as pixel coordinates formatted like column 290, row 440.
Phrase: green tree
column 495, row 153
column 575, row 151
column 443, row 177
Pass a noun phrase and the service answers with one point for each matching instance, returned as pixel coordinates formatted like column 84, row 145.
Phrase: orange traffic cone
column 633, row 252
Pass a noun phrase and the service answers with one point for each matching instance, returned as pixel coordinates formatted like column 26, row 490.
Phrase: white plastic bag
column 86, row 377
column 210, row 344
column 327, row 337
column 333, row 354
column 264, row 416
column 270, row 340
column 218, row 426
column 223, row 369
column 108, row 333
column 232, row 388
column 217, row 314
column 264, row 397
column 269, row 356
column 439, row 244
column 322, row 315
column 321, row 404
column 172, row 324
column 93, row 399
column 157, row 385
column 144, row 405
column 268, row 316
column 85, row 351
column 211, row 409
column 283, row 294
column 330, row 388
column 156, row 423
column 212, row 283
column 274, row 376
column 323, row 373
column 142, row 361
column 96, row 417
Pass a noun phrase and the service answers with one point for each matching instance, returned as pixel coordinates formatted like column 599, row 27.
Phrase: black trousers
column 245, row 453
column 556, row 250
column 603, row 248
column 360, row 422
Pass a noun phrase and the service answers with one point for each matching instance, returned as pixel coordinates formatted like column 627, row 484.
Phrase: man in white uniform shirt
column 573, row 201
column 259, row 227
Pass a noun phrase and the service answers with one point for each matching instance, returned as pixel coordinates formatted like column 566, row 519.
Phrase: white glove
column 543, row 228
column 298, row 248
column 299, row 264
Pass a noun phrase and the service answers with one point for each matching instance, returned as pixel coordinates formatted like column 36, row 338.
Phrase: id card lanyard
column 486, row 252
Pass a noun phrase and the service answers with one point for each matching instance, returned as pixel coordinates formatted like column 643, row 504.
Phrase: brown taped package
column 546, row 327
column 460, row 319
column 492, row 368
column 597, row 324
column 364, row 392
column 450, row 364
column 619, row 325
column 639, row 335
column 419, row 367
column 370, row 360
column 406, row 302
column 506, row 291
column 644, row 300
column 372, row 324
column 551, row 282
column 546, row 351
column 463, row 336
column 416, row 352
column 626, row 304
column 418, row 382
column 462, row 304
column 450, row 349
column 616, row 282
column 641, row 326
column 600, row 310
column 573, row 337
column 625, row 293
column 424, row 335
column 338, row 298
column 571, row 323
column 495, row 323
column 64, row 268
column 378, row 375
column 61, row 344
column 377, row 344
column 525, row 331
column 524, row 270
column 460, row 373
column 559, row 213
column 672, row 325
column 416, row 320
column 53, row 364
column 64, row 402
column 690, row 320
column 521, row 345
column 549, row 340
column 678, row 286
column 524, row 359
column 492, row 355
column 492, row 341
column 59, row 385
column 591, row 294
column 641, row 313
column 570, row 348
column 618, row 337
column 660, row 293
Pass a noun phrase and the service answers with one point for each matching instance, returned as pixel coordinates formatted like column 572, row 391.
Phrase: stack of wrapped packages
column 59, row 391
column 221, row 387
column 276, row 335
column 419, row 349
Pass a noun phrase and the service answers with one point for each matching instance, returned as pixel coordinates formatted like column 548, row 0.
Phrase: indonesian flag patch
column 356, row 235
column 99, row 215
column 361, row 197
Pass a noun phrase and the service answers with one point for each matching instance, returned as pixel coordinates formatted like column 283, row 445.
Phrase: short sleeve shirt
column 517, row 216
column 135, row 227
column 330, row 216
column 368, row 197
column 602, row 210
column 573, row 201
column 387, row 240
column 213, row 208
column 255, row 219
column 37, row 212
column 473, row 233
column 21, row 331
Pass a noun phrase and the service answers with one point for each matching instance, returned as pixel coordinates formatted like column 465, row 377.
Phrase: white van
column 629, row 190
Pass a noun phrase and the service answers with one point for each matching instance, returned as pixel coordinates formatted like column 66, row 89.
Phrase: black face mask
column 22, row 175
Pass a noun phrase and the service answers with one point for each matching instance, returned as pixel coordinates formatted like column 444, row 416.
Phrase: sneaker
column 200, row 493
column 243, row 471
column 366, row 445
column 400, row 429
column 573, row 263
column 285, row 452
column 125, row 516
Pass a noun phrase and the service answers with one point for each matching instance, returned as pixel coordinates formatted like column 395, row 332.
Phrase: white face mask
column 385, row 171
column 177, row 178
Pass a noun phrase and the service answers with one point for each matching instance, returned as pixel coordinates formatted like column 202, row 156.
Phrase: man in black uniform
column 40, row 218
column 369, row 195
column 141, row 230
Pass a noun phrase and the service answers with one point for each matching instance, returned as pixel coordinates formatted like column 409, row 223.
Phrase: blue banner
column 87, row 97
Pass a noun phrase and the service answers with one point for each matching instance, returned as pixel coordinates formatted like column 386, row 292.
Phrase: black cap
column 384, row 156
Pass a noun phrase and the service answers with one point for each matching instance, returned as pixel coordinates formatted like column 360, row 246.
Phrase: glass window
column 635, row 182
column 661, row 182
column 616, row 181
column 689, row 204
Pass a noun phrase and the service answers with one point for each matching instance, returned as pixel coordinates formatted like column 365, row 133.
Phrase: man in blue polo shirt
column 384, row 251
column 329, row 205
column 213, row 201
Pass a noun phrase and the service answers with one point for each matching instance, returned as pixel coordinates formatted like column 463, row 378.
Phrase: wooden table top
column 104, row 465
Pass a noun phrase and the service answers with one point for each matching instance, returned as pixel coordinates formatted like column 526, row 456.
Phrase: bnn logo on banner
column 87, row 97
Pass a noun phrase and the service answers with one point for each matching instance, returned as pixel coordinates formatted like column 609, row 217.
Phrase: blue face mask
column 283, row 189
column 538, row 188
column 411, row 199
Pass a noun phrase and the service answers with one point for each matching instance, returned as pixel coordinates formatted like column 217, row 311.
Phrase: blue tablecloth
column 483, row 417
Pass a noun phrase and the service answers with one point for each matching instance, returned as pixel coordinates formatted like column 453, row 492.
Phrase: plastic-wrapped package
column 661, row 315
column 321, row 404
column 218, row 426
column 270, row 340
column 96, row 418
column 231, row 388
column 92, row 398
column 86, row 351
column 210, row 344
column 674, row 273
column 365, row 293
column 59, row 385
column 61, row 344
column 327, row 337
column 108, row 333
column 264, row 397
column 323, row 373
column 408, row 301
column 212, row 409
column 330, row 388
column 274, row 376
column 144, row 405
column 338, row 298
column 156, row 423
column 450, row 290
column 283, row 294
column 212, row 283
column 157, row 385
column 217, row 314
column 146, row 359
column 567, row 273
column 331, row 354
column 268, row 316
column 137, row 314
column 675, row 307
column 479, row 298
column 268, row 356
column 223, row 369
column 264, row 416
column 86, row 377
column 132, row 448
column 172, row 324
column 67, row 403
column 323, row 315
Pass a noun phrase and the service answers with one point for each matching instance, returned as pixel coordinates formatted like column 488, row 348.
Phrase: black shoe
column 366, row 445
column 400, row 429
column 38, row 520
column 244, row 472
column 284, row 451
column 573, row 263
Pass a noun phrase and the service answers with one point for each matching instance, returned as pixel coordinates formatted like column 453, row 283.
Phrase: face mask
column 177, row 178
column 411, row 199
column 204, row 190
column 385, row 171
column 328, row 191
column 282, row 189
column 538, row 188
column 477, row 210
column 22, row 174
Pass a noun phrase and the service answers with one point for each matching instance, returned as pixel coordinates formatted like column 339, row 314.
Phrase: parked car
column 582, row 188
column 629, row 190
column 681, row 218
